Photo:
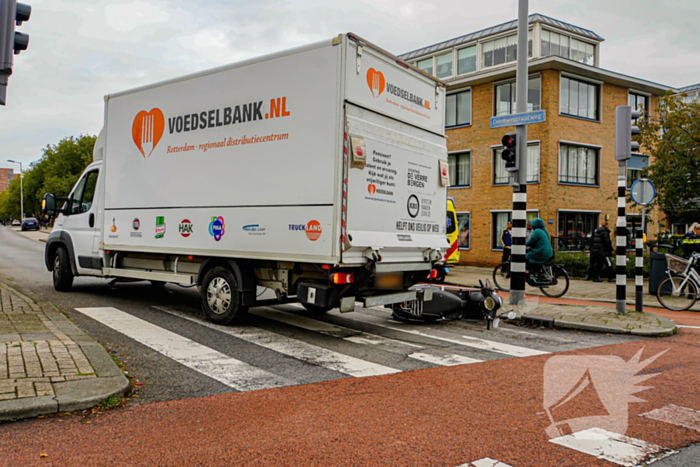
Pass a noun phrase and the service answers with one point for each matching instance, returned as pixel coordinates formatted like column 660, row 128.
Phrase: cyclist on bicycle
column 691, row 241
column 540, row 247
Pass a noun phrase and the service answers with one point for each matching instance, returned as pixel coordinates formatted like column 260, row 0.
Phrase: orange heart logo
column 372, row 188
column 147, row 130
column 375, row 80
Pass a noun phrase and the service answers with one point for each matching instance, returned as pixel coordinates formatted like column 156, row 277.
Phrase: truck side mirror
column 48, row 205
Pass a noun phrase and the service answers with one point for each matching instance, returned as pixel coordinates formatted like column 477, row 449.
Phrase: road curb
column 68, row 395
column 666, row 328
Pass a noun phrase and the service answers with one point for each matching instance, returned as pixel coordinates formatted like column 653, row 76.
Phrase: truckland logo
column 185, row 228
column 313, row 229
column 217, row 227
column 147, row 130
column 160, row 226
column 377, row 84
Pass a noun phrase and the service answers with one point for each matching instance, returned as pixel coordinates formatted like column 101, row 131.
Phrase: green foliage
column 673, row 141
column 56, row 172
column 576, row 264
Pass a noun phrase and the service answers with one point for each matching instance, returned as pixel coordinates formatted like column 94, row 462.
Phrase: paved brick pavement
column 41, row 354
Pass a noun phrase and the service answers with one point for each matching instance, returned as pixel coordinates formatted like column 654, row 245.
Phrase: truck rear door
column 396, row 199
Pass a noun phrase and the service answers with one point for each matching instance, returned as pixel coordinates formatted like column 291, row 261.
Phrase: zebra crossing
column 347, row 350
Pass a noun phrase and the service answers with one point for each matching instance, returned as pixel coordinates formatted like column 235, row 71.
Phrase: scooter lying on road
column 433, row 304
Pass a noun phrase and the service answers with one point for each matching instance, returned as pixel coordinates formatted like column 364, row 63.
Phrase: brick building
column 6, row 176
column 572, row 171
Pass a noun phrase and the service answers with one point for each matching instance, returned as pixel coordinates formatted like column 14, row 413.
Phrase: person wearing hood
column 540, row 247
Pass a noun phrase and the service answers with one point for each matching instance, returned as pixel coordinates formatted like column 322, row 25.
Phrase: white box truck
column 318, row 172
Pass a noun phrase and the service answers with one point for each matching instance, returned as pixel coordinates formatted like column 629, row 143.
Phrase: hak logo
column 185, row 228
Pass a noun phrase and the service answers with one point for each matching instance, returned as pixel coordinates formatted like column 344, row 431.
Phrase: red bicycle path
column 444, row 416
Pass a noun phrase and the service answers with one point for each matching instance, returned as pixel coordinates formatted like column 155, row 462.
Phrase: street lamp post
column 21, row 191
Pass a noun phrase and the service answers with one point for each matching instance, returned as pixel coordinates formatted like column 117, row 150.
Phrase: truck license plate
column 389, row 281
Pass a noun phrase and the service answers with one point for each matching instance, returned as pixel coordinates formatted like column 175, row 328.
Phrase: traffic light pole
column 517, row 268
column 621, row 253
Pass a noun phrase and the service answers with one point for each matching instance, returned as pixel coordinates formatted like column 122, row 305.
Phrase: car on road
column 16, row 223
column 30, row 223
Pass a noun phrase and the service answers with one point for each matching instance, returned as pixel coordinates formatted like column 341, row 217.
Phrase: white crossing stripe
column 612, row 447
column 675, row 415
column 485, row 462
column 216, row 365
column 296, row 349
column 446, row 360
column 481, row 344
column 333, row 330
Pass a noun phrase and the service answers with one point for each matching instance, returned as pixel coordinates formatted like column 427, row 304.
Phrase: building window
column 502, row 50
column 444, row 65
column 565, row 46
column 466, row 60
column 632, row 176
column 500, row 176
column 578, row 164
column 499, row 221
column 575, row 230
column 464, row 220
column 460, row 169
column 636, row 100
column 458, row 109
column 426, row 65
column 505, row 96
column 578, row 98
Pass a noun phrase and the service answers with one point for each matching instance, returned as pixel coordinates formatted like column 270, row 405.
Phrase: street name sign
column 527, row 118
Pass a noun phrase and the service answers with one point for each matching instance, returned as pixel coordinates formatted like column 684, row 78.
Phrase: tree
column 673, row 142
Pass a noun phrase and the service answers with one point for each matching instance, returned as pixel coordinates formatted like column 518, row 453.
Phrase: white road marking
column 612, row 447
column 294, row 348
column 229, row 371
column 445, row 360
column 675, row 415
column 485, row 462
column 481, row 344
column 333, row 330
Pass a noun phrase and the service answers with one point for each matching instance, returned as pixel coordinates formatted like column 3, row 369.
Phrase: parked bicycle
column 679, row 291
column 552, row 279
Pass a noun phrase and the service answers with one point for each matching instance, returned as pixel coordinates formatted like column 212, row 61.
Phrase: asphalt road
column 287, row 385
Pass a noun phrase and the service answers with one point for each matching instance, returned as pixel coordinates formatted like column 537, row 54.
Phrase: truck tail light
column 342, row 278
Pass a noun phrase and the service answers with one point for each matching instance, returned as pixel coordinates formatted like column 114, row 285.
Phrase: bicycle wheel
column 501, row 276
column 559, row 285
column 674, row 298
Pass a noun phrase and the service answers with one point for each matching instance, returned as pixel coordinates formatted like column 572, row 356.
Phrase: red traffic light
column 509, row 140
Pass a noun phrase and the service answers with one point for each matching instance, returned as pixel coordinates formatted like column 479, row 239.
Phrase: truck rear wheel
column 62, row 274
column 220, row 296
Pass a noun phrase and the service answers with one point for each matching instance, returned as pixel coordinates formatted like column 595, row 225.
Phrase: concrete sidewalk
column 586, row 314
column 47, row 364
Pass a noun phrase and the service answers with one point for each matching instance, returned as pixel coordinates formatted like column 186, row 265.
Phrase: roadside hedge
column 576, row 264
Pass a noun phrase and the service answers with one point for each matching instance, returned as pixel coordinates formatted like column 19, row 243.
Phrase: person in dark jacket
column 540, row 247
column 691, row 240
column 601, row 252
column 506, row 241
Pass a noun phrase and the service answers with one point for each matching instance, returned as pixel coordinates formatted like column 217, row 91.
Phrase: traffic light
column 624, row 130
column 11, row 41
column 510, row 152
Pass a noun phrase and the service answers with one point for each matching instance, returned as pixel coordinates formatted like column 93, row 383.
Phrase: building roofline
column 507, row 26
column 692, row 87
column 563, row 64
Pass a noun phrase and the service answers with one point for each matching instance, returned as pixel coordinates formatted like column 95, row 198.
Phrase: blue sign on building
column 528, row 118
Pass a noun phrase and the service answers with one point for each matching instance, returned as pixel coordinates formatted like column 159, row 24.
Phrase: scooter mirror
column 496, row 323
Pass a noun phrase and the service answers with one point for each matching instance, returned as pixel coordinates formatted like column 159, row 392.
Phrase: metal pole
column 639, row 265
column 621, row 254
column 21, row 193
column 517, row 281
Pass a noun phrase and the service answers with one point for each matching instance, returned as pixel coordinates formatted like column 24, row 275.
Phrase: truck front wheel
column 62, row 274
column 221, row 296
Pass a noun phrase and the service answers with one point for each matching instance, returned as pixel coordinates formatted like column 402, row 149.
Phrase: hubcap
column 219, row 295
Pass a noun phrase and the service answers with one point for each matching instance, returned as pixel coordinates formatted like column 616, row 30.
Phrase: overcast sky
column 80, row 50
